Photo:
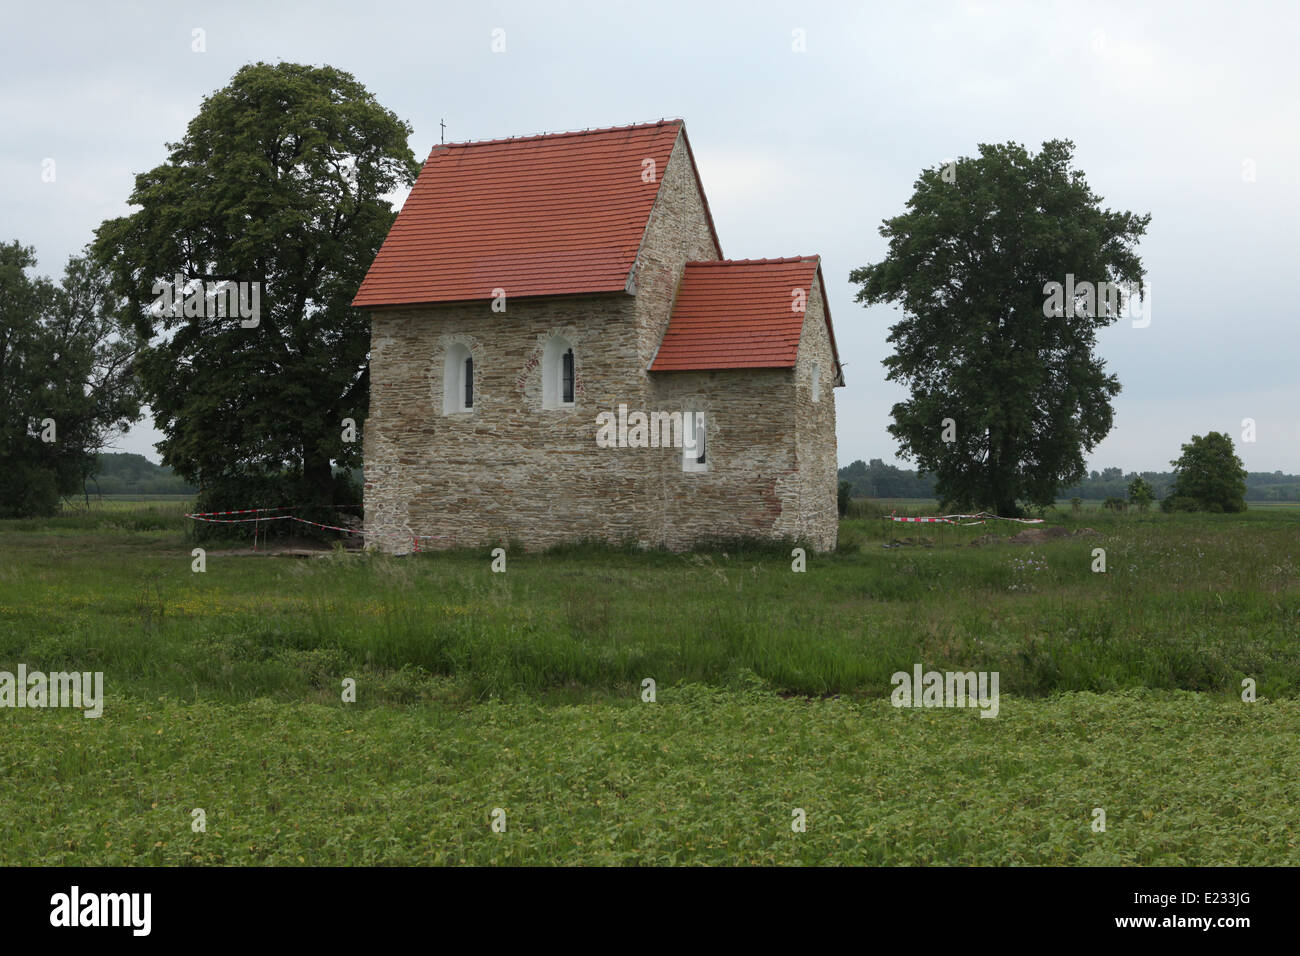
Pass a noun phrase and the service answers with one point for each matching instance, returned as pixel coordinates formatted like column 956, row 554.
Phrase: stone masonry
column 511, row 472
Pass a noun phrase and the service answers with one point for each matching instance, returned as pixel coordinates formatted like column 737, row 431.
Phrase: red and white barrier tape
column 980, row 518
column 239, row 520
column 329, row 527
column 203, row 516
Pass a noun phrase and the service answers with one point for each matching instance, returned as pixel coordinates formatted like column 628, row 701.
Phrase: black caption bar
column 335, row 906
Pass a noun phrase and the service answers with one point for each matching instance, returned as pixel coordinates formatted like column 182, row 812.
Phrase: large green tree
column 970, row 263
column 1208, row 476
column 279, row 180
column 67, row 382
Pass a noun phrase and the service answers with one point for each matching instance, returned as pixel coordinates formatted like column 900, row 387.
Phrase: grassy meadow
column 523, row 691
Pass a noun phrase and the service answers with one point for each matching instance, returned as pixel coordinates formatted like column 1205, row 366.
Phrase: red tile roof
column 739, row 313
column 561, row 213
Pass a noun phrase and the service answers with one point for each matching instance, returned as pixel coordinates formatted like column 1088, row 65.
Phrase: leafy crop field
column 522, row 692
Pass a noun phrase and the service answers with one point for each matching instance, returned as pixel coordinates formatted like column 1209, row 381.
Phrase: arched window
column 458, row 380
column 559, row 374
column 694, row 441
column 816, row 381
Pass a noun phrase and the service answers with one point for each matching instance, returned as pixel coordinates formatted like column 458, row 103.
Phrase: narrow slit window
column 458, row 380
column 559, row 373
column 694, row 443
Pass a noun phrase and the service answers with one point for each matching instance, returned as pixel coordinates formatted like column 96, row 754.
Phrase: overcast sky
column 1188, row 111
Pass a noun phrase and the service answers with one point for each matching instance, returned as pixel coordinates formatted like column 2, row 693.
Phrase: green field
column 522, row 691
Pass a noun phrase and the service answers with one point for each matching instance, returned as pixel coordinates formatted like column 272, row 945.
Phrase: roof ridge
column 752, row 262
column 560, row 134
column 558, row 214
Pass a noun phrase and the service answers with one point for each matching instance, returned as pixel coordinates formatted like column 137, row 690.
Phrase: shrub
column 276, row 491
column 1140, row 493
column 27, row 490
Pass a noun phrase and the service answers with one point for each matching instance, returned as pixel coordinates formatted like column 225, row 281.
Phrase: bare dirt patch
column 910, row 543
column 1034, row 536
column 288, row 548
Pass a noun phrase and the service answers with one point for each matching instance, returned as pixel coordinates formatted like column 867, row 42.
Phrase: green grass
column 1186, row 603
column 521, row 690
column 700, row 776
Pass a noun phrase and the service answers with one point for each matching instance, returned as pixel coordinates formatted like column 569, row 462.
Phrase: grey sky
column 1171, row 107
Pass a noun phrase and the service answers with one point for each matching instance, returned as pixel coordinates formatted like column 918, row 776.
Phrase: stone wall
column 772, row 458
column 752, row 475
column 507, row 470
column 510, row 471
column 817, row 513
column 678, row 232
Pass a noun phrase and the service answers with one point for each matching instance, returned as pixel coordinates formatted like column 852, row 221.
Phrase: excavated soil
column 1034, row 536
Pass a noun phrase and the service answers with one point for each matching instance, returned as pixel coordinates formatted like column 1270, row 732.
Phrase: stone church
column 538, row 294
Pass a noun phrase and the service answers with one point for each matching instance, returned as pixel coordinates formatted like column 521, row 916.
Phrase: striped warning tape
column 329, row 527
column 958, row 520
column 204, row 516
column 238, row 520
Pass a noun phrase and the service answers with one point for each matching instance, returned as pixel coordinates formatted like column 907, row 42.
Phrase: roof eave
column 838, row 380
column 584, row 293
column 721, row 368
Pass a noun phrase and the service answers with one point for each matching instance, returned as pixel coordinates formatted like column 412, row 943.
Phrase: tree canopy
column 279, row 181
column 67, row 381
column 1208, row 476
column 1005, row 399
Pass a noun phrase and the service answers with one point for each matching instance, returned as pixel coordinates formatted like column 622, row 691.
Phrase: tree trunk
column 1001, row 453
column 1007, row 460
column 317, row 478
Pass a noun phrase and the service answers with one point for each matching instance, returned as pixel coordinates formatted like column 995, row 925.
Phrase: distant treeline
column 1113, row 483
column 878, row 480
column 126, row 474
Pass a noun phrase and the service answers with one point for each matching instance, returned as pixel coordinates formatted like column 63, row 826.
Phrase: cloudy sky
column 1188, row 111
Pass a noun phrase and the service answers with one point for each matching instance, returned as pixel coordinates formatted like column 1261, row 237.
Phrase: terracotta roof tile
column 738, row 313
column 556, row 214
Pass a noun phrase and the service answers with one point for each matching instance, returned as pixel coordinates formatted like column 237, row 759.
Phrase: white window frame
column 453, row 380
column 695, row 441
column 816, row 381
column 553, row 373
